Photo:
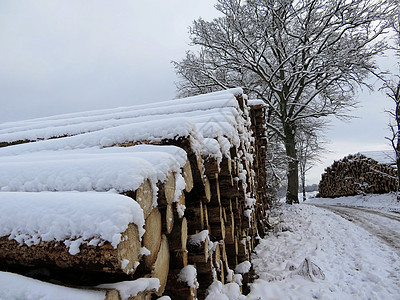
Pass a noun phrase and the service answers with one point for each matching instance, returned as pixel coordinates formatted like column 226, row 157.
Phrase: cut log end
column 144, row 196
column 160, row 268
column 188, row 176
column 152, row 237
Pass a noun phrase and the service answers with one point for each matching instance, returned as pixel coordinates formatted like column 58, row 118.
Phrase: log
column 207, row 190
column 226, row 180
column 177, row 245
column 166, row 190
column 205, row 280
column 243, row 253
column 228, row 189
column 206, row 221
column 141, row 289
column 216, row 257
column 198, row 250
column 201, row 191
column 152, row 238
column 230, row 228
column 215, row 198
column 141, row 296
column 226, row 166
column 112, row 295
column 160, row 268
column 195, row 217
column 179, row 290
column 218, row 230
column 216, row 222
column 53, row 254
column 232, row 251
column 211, row 168
column 224, row 256
column 178, row 236
column 224, row 217
column 144, row 196
column 180, row 206
column 214, row 214
column 167, row 217
column 178, row 259
column 187, row 175
column 218, row 263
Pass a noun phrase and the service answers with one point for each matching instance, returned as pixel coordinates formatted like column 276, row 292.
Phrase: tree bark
column 303, row 181
column 293, row 165
column 397, row 149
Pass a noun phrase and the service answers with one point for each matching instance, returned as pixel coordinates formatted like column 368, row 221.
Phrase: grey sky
column 73, row 55
column 64, row 56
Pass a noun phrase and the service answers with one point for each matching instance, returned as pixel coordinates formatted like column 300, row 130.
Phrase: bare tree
column 276, row 164
column 391, row 86
column 310, row 145
column 304, row 58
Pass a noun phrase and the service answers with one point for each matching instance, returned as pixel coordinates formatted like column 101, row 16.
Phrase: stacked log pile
column 258, row 126
column 194, row 166
column 358, row 174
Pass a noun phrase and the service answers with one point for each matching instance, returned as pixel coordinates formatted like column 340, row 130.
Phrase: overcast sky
column 73, row 55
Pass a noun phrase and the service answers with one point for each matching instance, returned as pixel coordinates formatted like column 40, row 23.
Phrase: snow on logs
column 99, row 231
column 194, row 167
column 15, row 286
column 371, row 172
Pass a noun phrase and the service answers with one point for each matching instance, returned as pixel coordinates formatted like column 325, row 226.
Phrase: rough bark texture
column 293, row 166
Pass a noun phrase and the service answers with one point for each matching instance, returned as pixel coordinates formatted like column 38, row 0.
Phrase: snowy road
column 382, row 225
column 357, row 249
column 355, row 261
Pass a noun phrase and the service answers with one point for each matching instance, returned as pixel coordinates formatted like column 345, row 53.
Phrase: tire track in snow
column 379, row 213
column 384, row 226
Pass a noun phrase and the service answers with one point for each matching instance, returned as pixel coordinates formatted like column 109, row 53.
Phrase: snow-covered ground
column 313, row 253
column 384, row 202
column 355, row 264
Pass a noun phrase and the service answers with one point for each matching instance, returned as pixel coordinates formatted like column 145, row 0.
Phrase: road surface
column 384, row 226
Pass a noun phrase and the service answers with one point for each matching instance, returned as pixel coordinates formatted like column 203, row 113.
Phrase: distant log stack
column 362, row 173
column 194, row 166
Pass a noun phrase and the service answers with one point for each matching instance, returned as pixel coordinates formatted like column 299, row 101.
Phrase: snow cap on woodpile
column 200, row 118
column 74, row 218
column 257, row 102
column 382, row 157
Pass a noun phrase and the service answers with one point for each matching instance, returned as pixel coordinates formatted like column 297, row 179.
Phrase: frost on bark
column 305, row 59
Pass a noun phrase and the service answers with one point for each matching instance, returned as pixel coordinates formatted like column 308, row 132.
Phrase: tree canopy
column 303, row 58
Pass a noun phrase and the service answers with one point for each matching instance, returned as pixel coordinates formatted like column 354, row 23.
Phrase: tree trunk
column 293, row 165
column 397, row 149
column 396, row 133
column 302, row 173
column 303, row 184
